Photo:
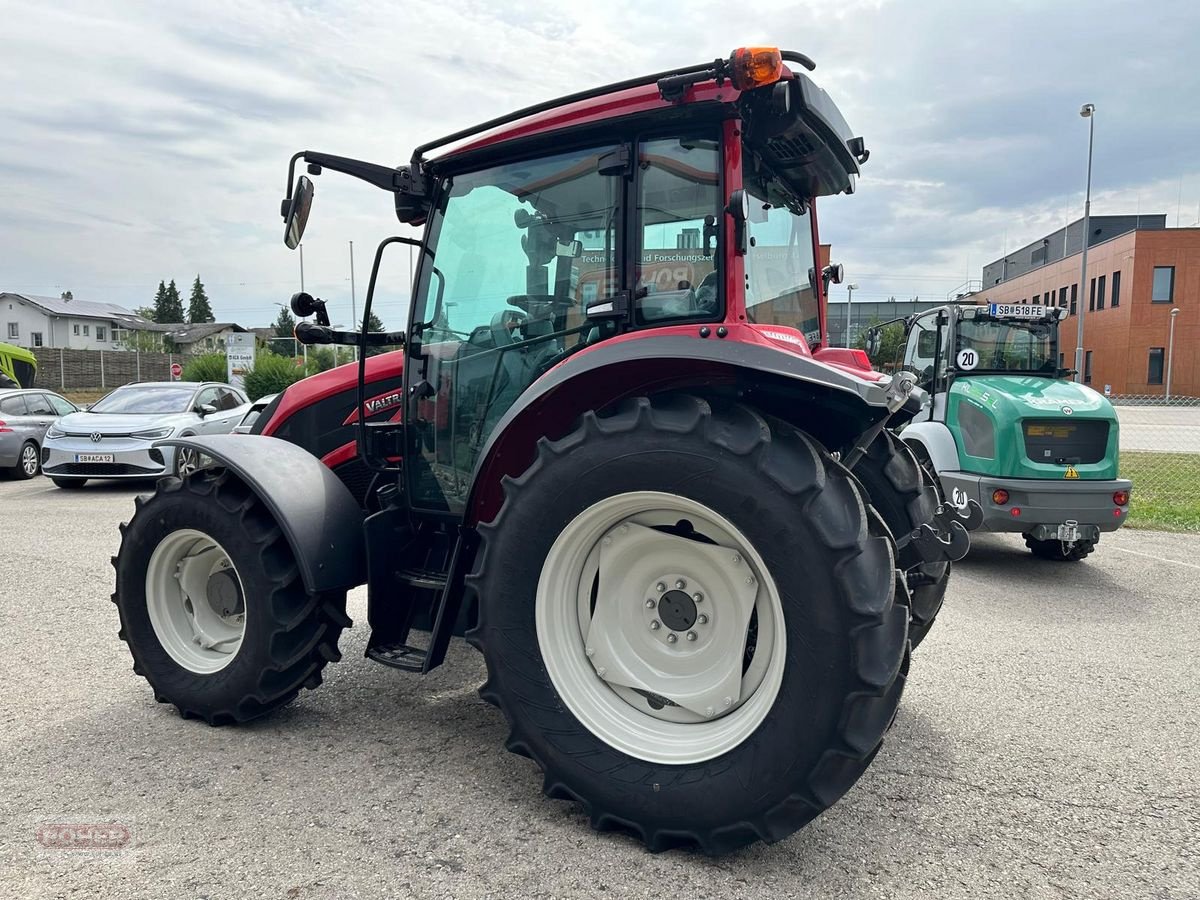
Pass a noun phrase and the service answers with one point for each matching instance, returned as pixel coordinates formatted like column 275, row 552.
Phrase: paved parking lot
column 1046, row 747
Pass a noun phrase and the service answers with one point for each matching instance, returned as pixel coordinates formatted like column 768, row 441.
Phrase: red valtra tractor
column 616, row 444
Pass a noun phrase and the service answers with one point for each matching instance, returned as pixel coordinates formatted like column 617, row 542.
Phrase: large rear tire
column 906, row 497
column 741, row 539
column 212, row 605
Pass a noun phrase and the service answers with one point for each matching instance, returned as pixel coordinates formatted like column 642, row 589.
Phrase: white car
column 115, row 437
column 254, row 412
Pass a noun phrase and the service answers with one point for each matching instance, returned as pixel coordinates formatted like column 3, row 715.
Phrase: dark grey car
column 25, row 416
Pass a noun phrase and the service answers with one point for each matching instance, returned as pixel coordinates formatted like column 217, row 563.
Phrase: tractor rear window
column 779, row 268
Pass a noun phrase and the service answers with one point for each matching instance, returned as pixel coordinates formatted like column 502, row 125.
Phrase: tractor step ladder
column 399, row 656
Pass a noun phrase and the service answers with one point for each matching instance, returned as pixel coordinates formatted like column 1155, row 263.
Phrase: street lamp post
column 1171, row 350
column 850, row 289
column 1087, row 111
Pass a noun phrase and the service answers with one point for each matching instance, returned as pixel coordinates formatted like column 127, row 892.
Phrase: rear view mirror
column 206, row 410
column 874, row 341
column 296, row 214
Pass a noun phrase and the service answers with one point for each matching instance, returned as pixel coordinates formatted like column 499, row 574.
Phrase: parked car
column 116, row 437
column 256, row 408
column 25, row 416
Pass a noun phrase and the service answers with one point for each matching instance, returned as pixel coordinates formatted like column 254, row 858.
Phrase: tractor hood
column 1026, row 426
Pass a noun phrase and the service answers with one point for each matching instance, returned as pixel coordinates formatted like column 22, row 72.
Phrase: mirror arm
column 400, row 179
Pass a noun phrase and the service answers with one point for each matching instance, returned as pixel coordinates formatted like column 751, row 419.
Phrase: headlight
column 55, row 432
column 153, row 434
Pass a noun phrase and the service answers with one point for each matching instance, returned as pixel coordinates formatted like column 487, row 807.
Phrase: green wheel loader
column 1008, row 429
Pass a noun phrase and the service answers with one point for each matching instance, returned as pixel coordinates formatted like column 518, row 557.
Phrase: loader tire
column 904, row 494
column 674, row 510
column 212, row 605
column 1058, row 551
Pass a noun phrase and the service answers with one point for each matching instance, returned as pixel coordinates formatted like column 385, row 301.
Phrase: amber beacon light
column 752, row 67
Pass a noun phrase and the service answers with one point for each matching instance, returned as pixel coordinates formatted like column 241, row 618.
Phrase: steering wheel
column 505, row 326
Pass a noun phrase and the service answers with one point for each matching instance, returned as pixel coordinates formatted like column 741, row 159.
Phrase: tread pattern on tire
column 1052, row 550
column 307, row 626
column 902, row 492
column 864, row 561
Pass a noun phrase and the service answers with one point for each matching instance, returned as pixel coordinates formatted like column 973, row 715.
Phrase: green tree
column 146, row 312
column 199, row 310
column 891, row 347
column 160, row 303
column 284, row 326
column 172, row 305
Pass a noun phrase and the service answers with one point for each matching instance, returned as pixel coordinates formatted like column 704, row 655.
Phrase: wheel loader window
column 519, row 250
column 679, row 210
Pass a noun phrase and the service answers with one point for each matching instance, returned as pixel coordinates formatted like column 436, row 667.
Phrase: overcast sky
column 148, row 141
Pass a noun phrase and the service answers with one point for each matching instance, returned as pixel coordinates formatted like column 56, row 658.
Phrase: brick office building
column 1138, row 271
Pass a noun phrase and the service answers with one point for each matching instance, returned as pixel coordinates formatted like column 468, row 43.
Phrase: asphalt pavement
column 1045, row 747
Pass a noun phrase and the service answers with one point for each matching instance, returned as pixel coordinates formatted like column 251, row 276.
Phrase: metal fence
column 1160, row 453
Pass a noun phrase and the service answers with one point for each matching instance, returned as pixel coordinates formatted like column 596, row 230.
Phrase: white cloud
column 144, row 142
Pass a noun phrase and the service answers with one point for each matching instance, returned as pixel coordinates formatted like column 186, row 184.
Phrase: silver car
column 25, row 416
column 115, row 438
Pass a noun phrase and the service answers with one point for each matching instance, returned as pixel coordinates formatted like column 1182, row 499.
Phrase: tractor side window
column 679, row 211
column 779, row 266
column 518, row 253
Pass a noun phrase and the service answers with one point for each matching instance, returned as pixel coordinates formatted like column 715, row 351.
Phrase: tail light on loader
column 999, row 496
column 1121, row 498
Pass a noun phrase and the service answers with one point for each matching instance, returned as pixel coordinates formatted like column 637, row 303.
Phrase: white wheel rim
column 29, row 460
column 191, row 619
column 189, row 461
column 612, row 666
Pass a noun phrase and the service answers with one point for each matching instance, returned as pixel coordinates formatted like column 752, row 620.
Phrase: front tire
column 27, row 462
column 212, row 605
column 707, row 497
column 1058, row 551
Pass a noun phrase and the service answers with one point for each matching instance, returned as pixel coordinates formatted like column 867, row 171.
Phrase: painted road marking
column 1159, row 558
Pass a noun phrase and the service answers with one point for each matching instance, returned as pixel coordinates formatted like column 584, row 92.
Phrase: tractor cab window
column 679, row 211
column 779, row 265
column 518, row 252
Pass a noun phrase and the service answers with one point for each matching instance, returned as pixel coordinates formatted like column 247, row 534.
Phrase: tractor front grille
column 1065, row 442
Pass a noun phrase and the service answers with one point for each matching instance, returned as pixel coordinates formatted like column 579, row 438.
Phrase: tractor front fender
column 829, row 403
column 316, row 512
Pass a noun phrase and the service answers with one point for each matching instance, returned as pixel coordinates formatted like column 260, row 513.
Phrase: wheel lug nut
column 602, row 671
column 750, row 580
column 691, row 635
column 698, row 597
column 702, row 619
column 655, row 625
column 736, row 559
column 728, row 702
column 590, row 651
column 680, row 584
column 661, row 588
column 650, row 603
column 710, row 712
column 672, row 638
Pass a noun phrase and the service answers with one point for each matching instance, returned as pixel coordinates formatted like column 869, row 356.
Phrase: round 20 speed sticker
column 967, row 359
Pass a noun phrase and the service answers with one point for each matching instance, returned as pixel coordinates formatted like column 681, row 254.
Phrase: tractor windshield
column 1000, row 345
column 779, row 263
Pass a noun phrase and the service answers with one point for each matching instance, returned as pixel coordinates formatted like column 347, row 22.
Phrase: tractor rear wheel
column 212, row 605
column 688, row 623
column 903, row 492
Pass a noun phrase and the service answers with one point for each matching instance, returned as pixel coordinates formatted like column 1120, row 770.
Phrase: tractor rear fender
column 831, row 404
column 318, row 515
column 935, row 439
